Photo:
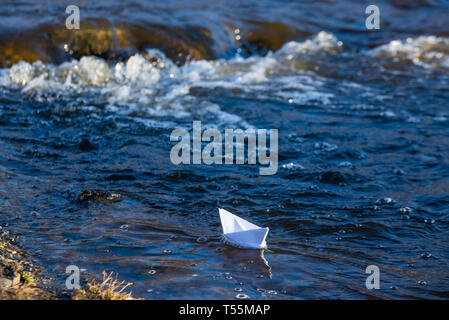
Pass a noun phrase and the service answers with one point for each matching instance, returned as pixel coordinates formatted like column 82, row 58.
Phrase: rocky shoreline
column 22, row 279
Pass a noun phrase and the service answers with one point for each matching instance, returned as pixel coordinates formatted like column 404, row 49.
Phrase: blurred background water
column 363, row 144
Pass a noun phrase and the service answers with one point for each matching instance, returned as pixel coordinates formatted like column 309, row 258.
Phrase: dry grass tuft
column 109, row 289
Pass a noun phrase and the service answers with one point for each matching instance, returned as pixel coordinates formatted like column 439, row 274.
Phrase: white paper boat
column 241, row 233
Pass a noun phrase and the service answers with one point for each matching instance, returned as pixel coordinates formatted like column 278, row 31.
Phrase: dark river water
column 363, row 145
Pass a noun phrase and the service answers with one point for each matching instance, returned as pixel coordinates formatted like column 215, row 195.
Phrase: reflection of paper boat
column 241, row 233
column 252, row 260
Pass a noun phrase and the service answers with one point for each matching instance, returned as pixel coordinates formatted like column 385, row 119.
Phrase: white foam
column 153, row 84
column 322, row 42
column 141, row 72
column 424, row 51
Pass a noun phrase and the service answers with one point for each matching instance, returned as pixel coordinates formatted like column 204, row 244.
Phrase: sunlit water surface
column 363, row 156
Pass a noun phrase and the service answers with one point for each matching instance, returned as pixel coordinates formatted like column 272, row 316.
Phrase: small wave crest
column 423, row 51
column 152, row 82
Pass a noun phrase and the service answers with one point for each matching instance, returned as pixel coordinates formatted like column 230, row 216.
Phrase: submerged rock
column 98, row 196
column 86, row 145
column 258, row 37
column 100, row 37
column 120, row 40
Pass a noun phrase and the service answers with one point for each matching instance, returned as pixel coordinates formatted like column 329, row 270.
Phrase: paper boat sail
column 241, row 233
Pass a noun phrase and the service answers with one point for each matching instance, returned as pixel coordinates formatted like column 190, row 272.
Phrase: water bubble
column 261, row 290
column 237, row 31
column 273, row 292
column 422, row 282
column 325, row 146
column 386, row 200
column 260, row 276
column 292, row 165
column 426, row 255
column 201, row 239
column 167, row 251
column 228, row 277
column 345, row 164
column 237, row 37
column 388, row 114
column 290, row 100
column 242, row 296
column 238, row 289
column 405, row 210
column 124, row 227
column 152, row 272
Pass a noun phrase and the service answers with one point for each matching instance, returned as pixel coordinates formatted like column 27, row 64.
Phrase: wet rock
column 258, row 37
column 334, row 177
column 100, row 37
column 19, row 278
column 86, row 145
column 16, row 279
column 5, row 284
column 98, row 196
